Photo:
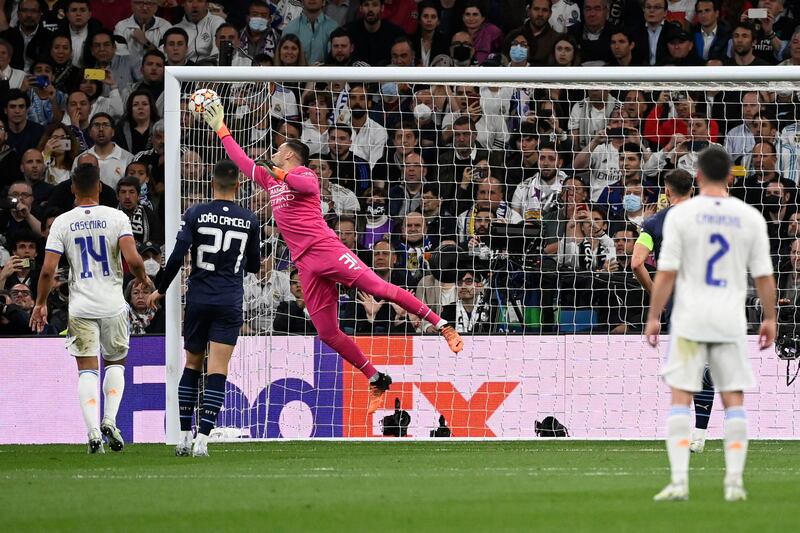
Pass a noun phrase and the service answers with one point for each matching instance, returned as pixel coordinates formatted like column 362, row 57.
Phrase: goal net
column 510, row 201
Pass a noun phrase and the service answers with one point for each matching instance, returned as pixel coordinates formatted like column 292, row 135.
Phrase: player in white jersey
column 710, row 243
column 92, row 238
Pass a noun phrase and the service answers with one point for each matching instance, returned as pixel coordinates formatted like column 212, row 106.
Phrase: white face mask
column 151, row 267
column 422, row 112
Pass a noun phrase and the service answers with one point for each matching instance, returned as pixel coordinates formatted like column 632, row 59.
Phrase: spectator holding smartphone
column 22, row 269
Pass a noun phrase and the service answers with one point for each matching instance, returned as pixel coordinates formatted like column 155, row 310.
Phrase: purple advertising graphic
column 295, row 387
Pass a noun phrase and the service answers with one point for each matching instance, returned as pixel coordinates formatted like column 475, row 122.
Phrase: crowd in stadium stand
column 413, row 177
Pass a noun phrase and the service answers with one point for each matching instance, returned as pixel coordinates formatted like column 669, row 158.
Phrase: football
column 200, row 99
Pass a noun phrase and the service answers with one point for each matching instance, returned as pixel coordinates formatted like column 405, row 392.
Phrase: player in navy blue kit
column 224, row 239
column 679, row 184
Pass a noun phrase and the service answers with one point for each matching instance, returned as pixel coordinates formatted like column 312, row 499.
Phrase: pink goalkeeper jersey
column 296, row 205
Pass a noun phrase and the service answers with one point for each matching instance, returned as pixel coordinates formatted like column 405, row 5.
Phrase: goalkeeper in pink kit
column 321, row 259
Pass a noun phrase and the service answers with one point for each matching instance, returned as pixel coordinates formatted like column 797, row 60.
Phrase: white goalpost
column 547, row 298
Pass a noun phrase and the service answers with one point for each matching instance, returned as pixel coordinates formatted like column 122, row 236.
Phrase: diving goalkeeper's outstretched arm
column 265, row 173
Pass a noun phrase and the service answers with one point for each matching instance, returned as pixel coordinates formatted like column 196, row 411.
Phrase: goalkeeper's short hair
column 300, row 149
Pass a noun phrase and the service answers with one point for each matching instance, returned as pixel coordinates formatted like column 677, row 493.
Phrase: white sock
column 679, row 430
column 89, row 398
column 735, row 444
column 113, row 387
column 186, row 437
column 698, row 434
column 442, row 323
column 201, row 440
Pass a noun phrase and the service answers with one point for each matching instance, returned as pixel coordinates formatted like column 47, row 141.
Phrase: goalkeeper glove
column 214, row 115
column 276, row 172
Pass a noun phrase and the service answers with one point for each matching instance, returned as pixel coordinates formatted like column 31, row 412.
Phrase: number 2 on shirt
column 222, row 241
column 86, row 244
column 724, row 247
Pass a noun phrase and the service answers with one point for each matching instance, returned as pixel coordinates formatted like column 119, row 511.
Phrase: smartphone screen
column 94, row 74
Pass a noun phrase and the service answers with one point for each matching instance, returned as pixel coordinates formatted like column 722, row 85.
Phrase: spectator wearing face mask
column 462, row 50
column 151, row 254
column 259, row 35
column 539, row 33
column 377, row 224
column 635, row 211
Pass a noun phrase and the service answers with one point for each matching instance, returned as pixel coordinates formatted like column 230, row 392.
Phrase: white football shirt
column 712, row 243
column 89, row 238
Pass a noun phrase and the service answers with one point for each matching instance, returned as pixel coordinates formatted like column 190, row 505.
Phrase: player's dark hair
column 679, row 181
column 715, row 164
column 299, row 149
column 85, row 179
column 129, row 181
column 226, row 174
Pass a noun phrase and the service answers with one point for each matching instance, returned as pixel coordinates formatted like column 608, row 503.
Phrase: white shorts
column 727, row 361
column 87, row 336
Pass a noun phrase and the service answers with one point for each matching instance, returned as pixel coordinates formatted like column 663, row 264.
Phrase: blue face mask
column 631, row 202
column 258, row 24
column 389, row 89
column 518, row 53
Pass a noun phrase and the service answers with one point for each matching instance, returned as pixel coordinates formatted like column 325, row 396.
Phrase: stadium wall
column 598, row 386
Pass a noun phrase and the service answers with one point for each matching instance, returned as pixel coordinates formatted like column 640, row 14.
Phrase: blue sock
column 213, row 398
column 187, row 397
column 703, row 402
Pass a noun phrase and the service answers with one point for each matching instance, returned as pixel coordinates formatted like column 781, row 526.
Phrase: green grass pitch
column 559, row 485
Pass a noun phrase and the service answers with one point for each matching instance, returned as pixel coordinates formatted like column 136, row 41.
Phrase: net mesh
column 509, row 209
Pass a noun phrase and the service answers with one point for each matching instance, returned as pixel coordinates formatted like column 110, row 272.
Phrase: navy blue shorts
column 203, row 323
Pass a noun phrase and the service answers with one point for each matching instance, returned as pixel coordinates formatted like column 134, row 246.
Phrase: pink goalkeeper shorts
column 324, row 265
